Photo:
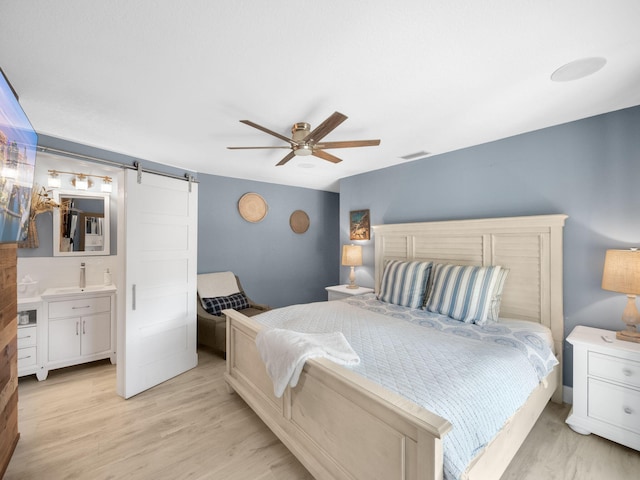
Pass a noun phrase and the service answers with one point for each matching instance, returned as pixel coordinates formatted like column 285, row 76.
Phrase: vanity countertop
column 57, row 292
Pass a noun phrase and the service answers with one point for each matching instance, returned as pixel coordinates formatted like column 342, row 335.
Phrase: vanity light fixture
column 106, row 186
column 81, row 181
column 54, row 179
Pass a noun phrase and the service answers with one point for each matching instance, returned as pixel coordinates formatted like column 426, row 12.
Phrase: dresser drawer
column 616, row 405
column 26, row 337
column 77, row 308
column 26, row 357
column 614, row 368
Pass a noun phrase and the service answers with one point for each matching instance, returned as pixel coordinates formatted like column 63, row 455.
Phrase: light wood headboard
column 531, row 247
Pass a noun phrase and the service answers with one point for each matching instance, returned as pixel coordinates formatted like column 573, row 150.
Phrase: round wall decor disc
column 252, row 207
column 299, row 221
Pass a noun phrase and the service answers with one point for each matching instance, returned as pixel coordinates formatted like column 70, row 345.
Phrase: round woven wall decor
column 299, row 221
column 252, row 207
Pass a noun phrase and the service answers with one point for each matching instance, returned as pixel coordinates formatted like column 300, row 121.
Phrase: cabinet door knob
column 628, row 410
column 627, row 372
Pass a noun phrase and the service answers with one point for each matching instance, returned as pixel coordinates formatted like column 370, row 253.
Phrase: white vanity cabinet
column 29, row 337
column 27, row 349
column 80, row 326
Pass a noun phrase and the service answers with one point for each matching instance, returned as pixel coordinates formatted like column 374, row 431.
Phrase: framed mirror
column 81, row 224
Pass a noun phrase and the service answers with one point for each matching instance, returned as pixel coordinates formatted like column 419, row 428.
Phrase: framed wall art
column 359, row 225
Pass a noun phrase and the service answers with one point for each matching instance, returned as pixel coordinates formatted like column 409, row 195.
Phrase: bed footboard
column 338, row 424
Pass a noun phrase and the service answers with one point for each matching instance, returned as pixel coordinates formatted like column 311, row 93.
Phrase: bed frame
column 343, row 426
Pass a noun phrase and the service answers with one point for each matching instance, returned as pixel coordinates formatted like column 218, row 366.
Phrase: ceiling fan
column 305, row 141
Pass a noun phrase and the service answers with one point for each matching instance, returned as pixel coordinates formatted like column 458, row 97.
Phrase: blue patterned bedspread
column 474, row 376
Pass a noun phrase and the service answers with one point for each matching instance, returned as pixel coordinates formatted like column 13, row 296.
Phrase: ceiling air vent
column 416, row 156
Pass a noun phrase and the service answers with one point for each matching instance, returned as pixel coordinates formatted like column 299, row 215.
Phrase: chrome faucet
column 83, row 281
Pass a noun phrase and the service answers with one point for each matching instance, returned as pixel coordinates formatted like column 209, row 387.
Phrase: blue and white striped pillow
column 496, row 297
column 405, row 283
column 463, row 292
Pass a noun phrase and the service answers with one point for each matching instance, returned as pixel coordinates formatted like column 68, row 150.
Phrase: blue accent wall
column 275, row 265
column 588, row 169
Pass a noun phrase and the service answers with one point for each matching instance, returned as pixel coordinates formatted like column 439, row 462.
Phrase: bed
column 342, row 425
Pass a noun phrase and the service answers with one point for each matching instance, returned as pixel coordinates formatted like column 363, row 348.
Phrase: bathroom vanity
column 79, row 326
column 69, row 325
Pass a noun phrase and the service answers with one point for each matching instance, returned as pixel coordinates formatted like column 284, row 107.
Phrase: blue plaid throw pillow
column 214, row 305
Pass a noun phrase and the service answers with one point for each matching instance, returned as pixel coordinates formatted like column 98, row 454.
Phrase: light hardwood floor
column 74, row 426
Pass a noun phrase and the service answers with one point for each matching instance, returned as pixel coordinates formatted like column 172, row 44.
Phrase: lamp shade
column 351, row 255
column 622, row 271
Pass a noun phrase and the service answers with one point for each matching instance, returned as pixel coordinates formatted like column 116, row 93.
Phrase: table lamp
column 352, row 257
column 622, row 274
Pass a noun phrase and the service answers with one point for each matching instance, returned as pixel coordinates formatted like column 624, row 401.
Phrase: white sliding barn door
column 157, row 337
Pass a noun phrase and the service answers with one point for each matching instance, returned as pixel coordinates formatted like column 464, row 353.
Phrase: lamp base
column 628, row 336
column 352, row 278
column 631, row 317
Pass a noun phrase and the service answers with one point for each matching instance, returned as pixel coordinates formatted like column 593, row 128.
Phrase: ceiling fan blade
column 289, row 156
column 326, row 156
column 324, row 128
column 348, row 144
column 253, row 148
column 266, row 130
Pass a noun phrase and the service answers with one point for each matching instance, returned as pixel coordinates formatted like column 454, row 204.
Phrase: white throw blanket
column 284, row 353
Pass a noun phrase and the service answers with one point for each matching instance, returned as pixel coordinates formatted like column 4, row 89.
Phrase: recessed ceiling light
column 578, row 69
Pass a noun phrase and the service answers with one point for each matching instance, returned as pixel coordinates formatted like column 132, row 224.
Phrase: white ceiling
column 168, row 81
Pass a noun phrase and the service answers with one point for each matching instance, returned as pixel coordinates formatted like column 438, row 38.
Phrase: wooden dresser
column 8, row 355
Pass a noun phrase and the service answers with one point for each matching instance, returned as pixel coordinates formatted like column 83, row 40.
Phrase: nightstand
column 338, row 292
column 606, row 386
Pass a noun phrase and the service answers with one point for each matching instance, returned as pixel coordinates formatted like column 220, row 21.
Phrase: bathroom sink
column 68, row 291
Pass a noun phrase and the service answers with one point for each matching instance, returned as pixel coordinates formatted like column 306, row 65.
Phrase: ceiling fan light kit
column 304, row 141
column 302, row 150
